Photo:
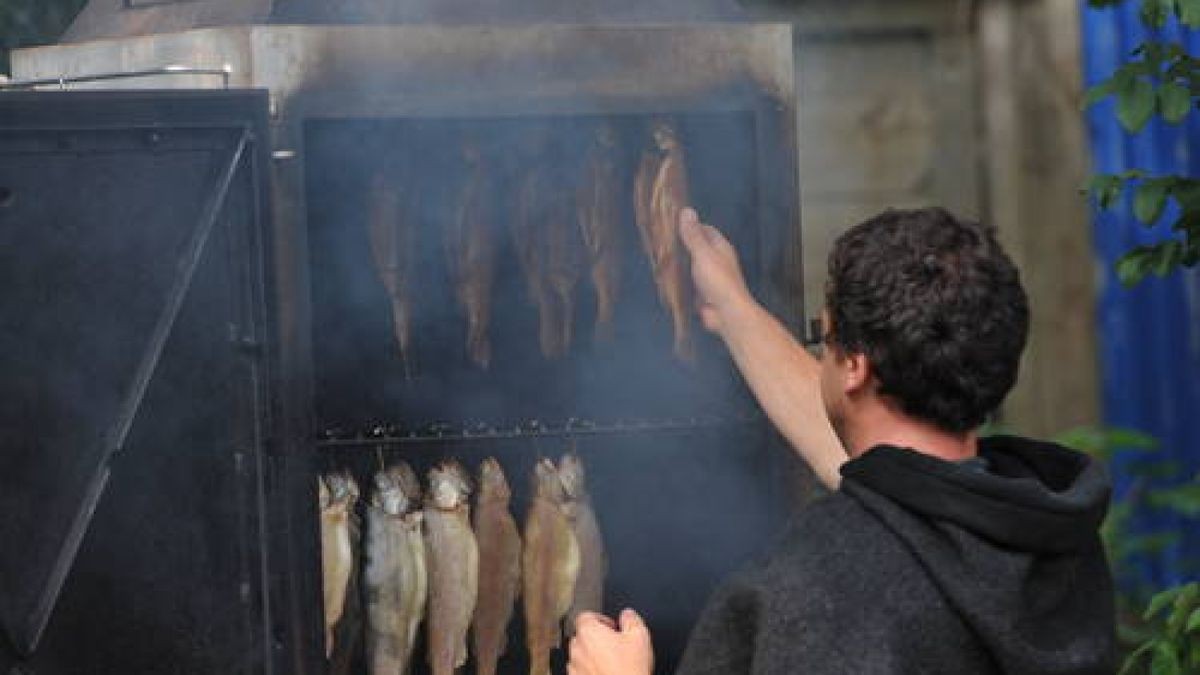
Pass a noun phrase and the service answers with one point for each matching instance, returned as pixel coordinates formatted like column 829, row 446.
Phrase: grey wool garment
column 917, row 565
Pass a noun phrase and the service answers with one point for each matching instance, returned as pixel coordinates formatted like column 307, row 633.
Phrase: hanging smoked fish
column 549, row 249
column 338, row 495
column 453, row 559
column 471, row 252
column 549, row 567
column 499, row 567
column 660, row 193
column 600, row 223
column 593, row 562
column 392, row 233
column 396, row 575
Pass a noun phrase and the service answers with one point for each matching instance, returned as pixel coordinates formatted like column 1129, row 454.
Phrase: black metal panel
column 131, row 267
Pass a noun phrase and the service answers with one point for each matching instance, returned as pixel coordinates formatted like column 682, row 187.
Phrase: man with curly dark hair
column 937, row 551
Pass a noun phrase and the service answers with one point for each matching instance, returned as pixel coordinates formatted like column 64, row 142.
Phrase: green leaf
column 1182, row 606
column 1098, row 93
column 1106, row 443
column 1133, row 267
column 1182, row 499
column 1150, row 198
column 1155, row 12
column 1189, row 13
column 1165, row 661
column 1147, row 544
column 1191, row 257
column 1160, row 601
column 1132, row 660
column 1187, row 192
column 1155, row 469
column 1106, row 189
column 1167, row 255
column 1131, row 438
column 1193, row 622
column 1135, row 104
column 1174, row 102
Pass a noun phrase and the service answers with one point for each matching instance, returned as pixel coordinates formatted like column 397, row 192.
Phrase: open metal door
column 133, row 358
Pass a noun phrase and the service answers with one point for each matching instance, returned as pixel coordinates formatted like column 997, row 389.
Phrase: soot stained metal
column 364, row 88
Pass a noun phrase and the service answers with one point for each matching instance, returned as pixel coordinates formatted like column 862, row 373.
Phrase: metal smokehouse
column 249, row 244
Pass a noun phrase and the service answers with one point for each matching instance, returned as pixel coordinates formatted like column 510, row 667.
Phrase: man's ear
column 856, row 374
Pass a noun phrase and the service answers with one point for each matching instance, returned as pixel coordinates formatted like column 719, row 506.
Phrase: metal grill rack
column 386, row 435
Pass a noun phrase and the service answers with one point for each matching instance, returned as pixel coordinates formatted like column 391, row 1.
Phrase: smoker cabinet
column 277, row 361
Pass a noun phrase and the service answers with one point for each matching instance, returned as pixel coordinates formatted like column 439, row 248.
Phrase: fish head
column 666, row 137
column 404, row 477
column 571, row 473
column 324, row 497
column 343, row 489
column 448, row 486
column 547, row 483
column 606, row 136
column 493, row 485
column 388, row 496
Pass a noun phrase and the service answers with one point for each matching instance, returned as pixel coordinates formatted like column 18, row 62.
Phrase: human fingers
column 586, row 618
column 578, row 655
column 631, row 620
column 717, row 239
column 691, row 231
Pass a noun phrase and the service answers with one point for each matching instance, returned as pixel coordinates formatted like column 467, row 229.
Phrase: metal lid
column 127, row 18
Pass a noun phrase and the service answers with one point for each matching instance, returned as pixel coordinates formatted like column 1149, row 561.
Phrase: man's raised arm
column 783, row 376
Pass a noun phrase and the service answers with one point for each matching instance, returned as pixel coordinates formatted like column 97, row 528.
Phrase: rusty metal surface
column 514, row 11
column 117, row 18
column 126, row 18
column 369, row 70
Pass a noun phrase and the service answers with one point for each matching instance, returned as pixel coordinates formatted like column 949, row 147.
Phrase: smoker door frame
column 243, row 114
column 779, row 281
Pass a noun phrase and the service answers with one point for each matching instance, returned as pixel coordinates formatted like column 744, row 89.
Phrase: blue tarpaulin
column 1149, row 335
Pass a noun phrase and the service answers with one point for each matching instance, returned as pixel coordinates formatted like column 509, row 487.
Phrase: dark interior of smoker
column 680, row 505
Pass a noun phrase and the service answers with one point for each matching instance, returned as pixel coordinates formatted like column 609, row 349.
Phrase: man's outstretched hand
column 601, row 647
column 720, row 285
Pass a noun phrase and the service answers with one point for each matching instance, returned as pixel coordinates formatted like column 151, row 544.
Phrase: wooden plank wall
column 1036, row 164
column 970, row 104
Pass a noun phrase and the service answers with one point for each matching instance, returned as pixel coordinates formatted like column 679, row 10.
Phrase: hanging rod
column 224, row 72
column 440, row 433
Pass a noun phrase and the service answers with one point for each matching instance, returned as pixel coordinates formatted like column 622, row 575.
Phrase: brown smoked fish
column 660, row 193
column 549, row 567
column 549, row 249
column 471, row 253
column 600, row 223
column 453, row 560
column 593, row 563
column 392, row 233
column 499, row 567
column 527, row 240
column 338, row 495
column 396, row 577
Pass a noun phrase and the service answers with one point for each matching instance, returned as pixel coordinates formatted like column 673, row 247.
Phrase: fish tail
column 567, row 321
column 479, row 347
column 539, row 663
column 547, row 328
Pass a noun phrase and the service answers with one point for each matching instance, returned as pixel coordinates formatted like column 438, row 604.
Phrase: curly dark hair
column 938, row 309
